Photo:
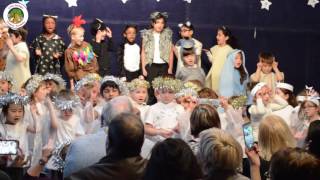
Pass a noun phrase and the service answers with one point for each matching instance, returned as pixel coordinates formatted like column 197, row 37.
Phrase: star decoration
column 188, row 1
column 72, row 3
column 265, row 4
column 24, row 2
column 313, row 3
column 124, row 1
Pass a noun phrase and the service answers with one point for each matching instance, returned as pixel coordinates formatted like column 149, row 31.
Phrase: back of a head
column 172, row 159
column 125, row 135
column 274, row 134
column 203, row 117
column 220, row 154
column 294, row 163
column 116, row 106
column 313, row 138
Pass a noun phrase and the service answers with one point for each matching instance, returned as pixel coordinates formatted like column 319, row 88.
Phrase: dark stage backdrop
column 291, row 29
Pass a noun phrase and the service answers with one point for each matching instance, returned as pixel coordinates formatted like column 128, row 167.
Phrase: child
column 217, row 56
column 54, row 83
column 111, row 87
column 3, row 47
column 48, row 48
column 234, row 75
column 264, row 72
column 14, row 126
column 138, row 91
column 161, row 119
column 65, row 122
column 263, row 105
column 157, row 50
column 285, row 91
column 188, row 98
column 129, row 54
column 190, row 70
column 101, row 33
column 6, row 82
column 186, row 33
column 80, row 59
column 17, row 61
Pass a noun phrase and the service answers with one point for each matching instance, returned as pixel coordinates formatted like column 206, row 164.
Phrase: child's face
column 166, row 96
column 51, row 86
column 3, row 29
column 66, row 114
column 4, row 87
column 310, row 109
column 130, row 34
column 266, row 68
column 139, row 95
column 265, row 94
column 190, row 59
column 15, row 113
column 41, row 93
column 94, row 95
column 158, row 25
column 78, row 36
column 102, row 34
column 188, row 103
column 221, row 38
column 110, row 92
column 186, row 32
column 281, row 94
column 84, row 95
column 238, row 60
column 50, row 25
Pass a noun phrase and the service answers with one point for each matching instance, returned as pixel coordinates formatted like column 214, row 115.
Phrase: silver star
column 124, row 1
column 188, row 1
column 313, row 3
column 72, row 3
column 265, row 4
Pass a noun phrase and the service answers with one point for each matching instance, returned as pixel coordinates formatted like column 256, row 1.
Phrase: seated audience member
column 172, row 159
column 220, row 155
column 123, row 160
column 313, row 138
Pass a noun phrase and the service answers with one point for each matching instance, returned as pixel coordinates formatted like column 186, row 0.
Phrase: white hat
column 257, row 88
column 285, row 86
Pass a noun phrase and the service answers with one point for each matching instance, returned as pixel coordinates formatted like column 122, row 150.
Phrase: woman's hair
column 294, row 163
column 203, row 117
column 208, row 93
column 19, row 32
column 292, row 98
column 313, row 138
column 243, row 73
column 111, row 84
column 172, row 159
column 232, row 41
column 274, row 134
column 220, row 154
column 44, row 30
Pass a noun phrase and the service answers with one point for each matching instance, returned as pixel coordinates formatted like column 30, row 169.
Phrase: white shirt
column 67, row 130
column 156, row 57
column 131, row 57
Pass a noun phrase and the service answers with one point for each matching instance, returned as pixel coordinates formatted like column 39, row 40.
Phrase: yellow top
column 217, row 56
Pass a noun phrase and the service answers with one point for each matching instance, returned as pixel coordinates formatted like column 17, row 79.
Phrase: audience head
column 274, row 134
column 203, row 117
column 294, row 163
column 172, row 159
column 125, row 136
column 116, row 106
column 220, row 154
column 313, row 138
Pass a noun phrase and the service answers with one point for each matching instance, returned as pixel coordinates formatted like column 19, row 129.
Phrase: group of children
column 39, row 111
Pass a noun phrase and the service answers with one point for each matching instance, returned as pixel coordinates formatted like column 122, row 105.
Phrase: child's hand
column 144, row 72
column 9, row 43
column 275, row 65
column 170, row 71
column 259, row 65
column 56, row 55
column 224, row 102
column 165, row 133
column 109, row 32
column 72, row 85
column 38, row 52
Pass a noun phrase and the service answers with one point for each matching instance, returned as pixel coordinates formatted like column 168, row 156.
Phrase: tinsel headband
column 10, row 98
column 122, row 87
column 63, row 104
column 160, row 83
column 56, row 78
column 33, row 84
column 138, row 83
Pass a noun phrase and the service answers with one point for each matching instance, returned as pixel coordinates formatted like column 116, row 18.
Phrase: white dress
column 19, row 70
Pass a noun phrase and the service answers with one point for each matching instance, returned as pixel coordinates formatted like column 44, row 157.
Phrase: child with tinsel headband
column 79, row 57
column 6, row 82
column 161, row 119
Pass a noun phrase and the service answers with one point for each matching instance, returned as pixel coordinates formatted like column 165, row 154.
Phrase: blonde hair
column 219, row 152
column 274, row 135
column 72, row 29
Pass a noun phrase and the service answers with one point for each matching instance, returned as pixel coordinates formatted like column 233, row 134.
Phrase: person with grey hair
column 89, row 149
column 220, row 155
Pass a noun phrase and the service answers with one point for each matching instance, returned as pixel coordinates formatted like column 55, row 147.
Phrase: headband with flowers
column 138, row 83
column 160, row 83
